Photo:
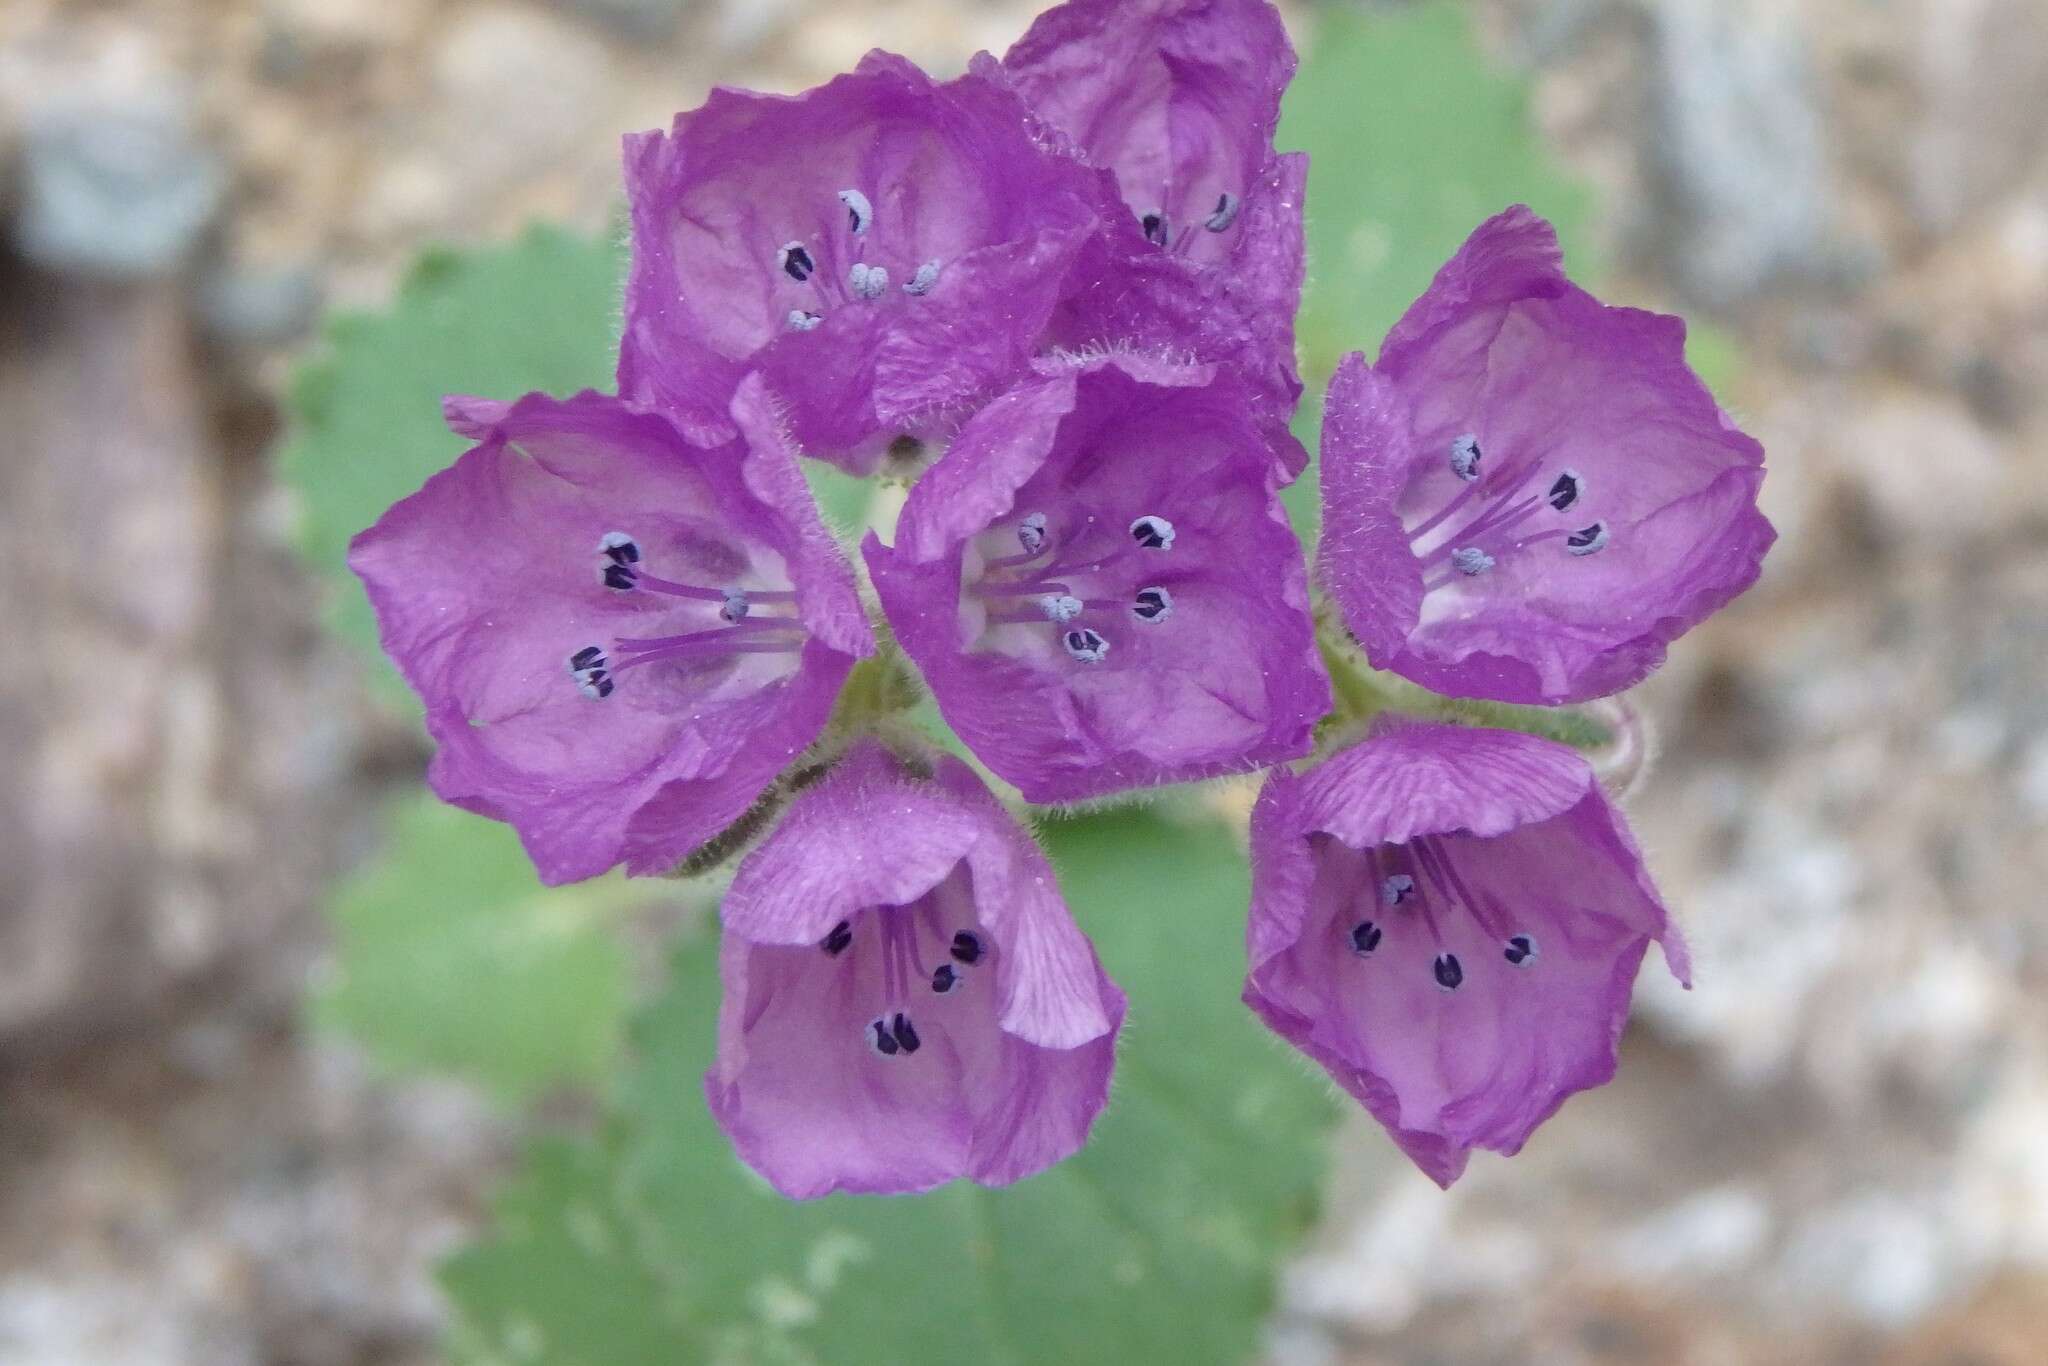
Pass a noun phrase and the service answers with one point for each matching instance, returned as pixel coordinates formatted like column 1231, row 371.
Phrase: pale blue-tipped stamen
column 869, row 282
column 860, row 214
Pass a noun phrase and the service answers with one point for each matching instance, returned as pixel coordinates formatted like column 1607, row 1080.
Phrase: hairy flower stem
column 1356, row 688
column 878, row 689
column 1610, row 730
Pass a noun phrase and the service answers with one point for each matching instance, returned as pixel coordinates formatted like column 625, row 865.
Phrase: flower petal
column 1009, row 1069
column 1592, row 428
column 1183, row 659
column 746, row 252
column 485, row 583
column 1461, row 973
column 1179, row 97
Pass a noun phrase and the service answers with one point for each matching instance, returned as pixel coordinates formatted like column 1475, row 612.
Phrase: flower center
column 596, row 668
column 1159, row 229
column 1416, row 889
column 1502, row 510
column 898, row 936
column 1062, row 580
column 862, row 280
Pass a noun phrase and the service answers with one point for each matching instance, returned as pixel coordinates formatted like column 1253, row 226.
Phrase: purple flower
column 1101, row 587
column 885, row 248
column 1180, row 99
column 1450, row 922
column 1531, row 495
column 907, row 1000
column 621, row 637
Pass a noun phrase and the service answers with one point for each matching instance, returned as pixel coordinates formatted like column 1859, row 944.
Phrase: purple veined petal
column 907, row 1000
column 1262, row 285
column 884, row 248
column 1531, row 495
column 1450, row 922
column 1101, row 588
column 621, row 638
column 1239, row 317
column 1180, row 99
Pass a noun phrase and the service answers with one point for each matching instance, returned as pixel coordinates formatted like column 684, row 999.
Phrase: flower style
column 621, row 637
column 1450, row 921
column 907, row 1000
column 1180, row 99
column 1531, row 495
column 884, row 248
column 1101, row 587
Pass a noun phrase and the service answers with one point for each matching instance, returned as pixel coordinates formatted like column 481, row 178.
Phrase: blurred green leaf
column 567, row 1280
column 451, row 958
column 1715, row 355
column 1157, row 1243
column 1414, row 138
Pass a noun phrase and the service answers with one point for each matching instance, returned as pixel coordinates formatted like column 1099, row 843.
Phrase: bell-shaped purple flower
column 1100, row 585
column 907, row 999
column 1450, row 922
column 621, row 637
column 1531, row 495
column 1180, row 99
column 884, row 247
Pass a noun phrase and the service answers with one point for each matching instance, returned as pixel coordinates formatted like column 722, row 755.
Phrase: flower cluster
column 1055, row 298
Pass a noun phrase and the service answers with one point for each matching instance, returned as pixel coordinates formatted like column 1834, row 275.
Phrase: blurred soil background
column 1835, row 1150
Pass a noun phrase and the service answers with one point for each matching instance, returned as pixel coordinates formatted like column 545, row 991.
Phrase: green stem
column 878, row 687
column 1363, row 692
column 1358, row 694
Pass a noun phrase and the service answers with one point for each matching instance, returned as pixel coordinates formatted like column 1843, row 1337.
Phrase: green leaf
column 1199, row 1178
column 1414, row 139
column 451, row 958
column 537, row 313
column 1715, row 355
column 566, row 1280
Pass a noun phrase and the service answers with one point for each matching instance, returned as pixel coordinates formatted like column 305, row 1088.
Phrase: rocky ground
column 1836, row 1149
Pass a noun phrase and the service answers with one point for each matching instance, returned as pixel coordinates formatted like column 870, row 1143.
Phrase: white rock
column 1713, row 1233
